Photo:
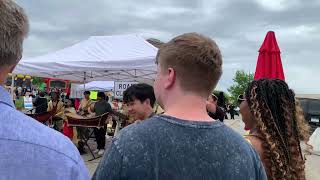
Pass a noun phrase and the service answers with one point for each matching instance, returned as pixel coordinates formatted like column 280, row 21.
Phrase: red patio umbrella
column 269, row 61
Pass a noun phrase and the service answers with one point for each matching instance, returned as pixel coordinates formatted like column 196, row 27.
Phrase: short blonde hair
column 14, row 27
column 196, row 59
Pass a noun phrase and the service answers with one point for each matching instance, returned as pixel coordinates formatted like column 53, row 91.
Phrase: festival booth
column 118, row 58
column 55, row 83
column 128, row 58
column 99, row 58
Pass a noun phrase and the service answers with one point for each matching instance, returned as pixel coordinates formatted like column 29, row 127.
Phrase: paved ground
column 312, row 163
column 91, row 165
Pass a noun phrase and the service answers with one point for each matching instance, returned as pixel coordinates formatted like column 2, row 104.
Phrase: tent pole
column 12, row 85
column 84, row 80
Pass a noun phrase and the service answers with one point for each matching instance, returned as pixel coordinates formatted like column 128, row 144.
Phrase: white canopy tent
column 78, row 89
column 114, row 58
column 97, row 85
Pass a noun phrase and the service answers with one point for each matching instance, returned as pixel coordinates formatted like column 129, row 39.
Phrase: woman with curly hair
column 276, row 123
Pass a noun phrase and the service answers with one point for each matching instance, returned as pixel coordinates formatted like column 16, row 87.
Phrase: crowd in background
column 184, row 142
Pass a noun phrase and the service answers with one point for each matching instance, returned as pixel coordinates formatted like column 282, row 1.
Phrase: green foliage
column 241, row 81
column 37, row 81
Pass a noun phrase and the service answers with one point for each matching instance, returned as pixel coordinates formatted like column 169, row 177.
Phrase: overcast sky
column 238, row 26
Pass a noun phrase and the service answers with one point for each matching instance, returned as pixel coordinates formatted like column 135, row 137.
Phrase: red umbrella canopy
column 269, row 61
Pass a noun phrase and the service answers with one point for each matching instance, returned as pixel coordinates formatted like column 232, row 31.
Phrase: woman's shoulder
column 256, row 142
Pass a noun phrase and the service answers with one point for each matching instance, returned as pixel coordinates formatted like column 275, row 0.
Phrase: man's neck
column 3, row 77
column 4, row 70
column 188, row 107
column 148, row 113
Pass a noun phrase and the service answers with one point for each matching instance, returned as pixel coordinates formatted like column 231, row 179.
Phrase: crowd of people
column 61, row 107
column 187, row 141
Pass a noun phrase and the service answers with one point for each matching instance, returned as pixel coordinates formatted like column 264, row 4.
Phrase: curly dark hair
column 274, row 107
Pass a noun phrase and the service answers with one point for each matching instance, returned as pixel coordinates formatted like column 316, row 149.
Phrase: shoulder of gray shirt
column 145, row 131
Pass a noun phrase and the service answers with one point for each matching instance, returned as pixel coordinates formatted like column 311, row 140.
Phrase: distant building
column 310, row 103
column 308, row 96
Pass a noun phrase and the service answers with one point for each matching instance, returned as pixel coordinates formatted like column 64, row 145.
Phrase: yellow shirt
column 60, row 108
column 85, row 104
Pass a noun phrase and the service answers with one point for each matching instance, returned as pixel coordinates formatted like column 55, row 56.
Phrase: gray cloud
column 238, row 27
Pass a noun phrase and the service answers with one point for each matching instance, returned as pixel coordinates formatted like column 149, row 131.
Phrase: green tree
column 37, row 81
column 241, row 81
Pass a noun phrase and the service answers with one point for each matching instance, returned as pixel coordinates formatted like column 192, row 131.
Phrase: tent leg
column 84, row 80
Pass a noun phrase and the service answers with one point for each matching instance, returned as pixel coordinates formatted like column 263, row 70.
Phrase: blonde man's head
column 13, row 29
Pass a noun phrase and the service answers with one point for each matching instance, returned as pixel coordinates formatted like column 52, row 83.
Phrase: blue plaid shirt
column 30, row 150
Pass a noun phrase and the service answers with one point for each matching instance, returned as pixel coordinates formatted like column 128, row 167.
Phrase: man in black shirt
column 41, row 103
column 231, row 111
column 101, row 107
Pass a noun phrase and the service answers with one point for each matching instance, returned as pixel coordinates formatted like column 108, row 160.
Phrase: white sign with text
column 120, row 87
column 27, row 102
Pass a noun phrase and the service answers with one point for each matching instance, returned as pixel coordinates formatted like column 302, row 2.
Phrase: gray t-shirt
column 164, row 147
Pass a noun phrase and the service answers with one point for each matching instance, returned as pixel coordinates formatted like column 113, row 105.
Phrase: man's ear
column 171, row 78
column 7, row 68
column 147, row 101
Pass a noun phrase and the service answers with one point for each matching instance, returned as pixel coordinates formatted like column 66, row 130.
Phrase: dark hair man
column 140, row 100
column 41, row 103
column 101, row 107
